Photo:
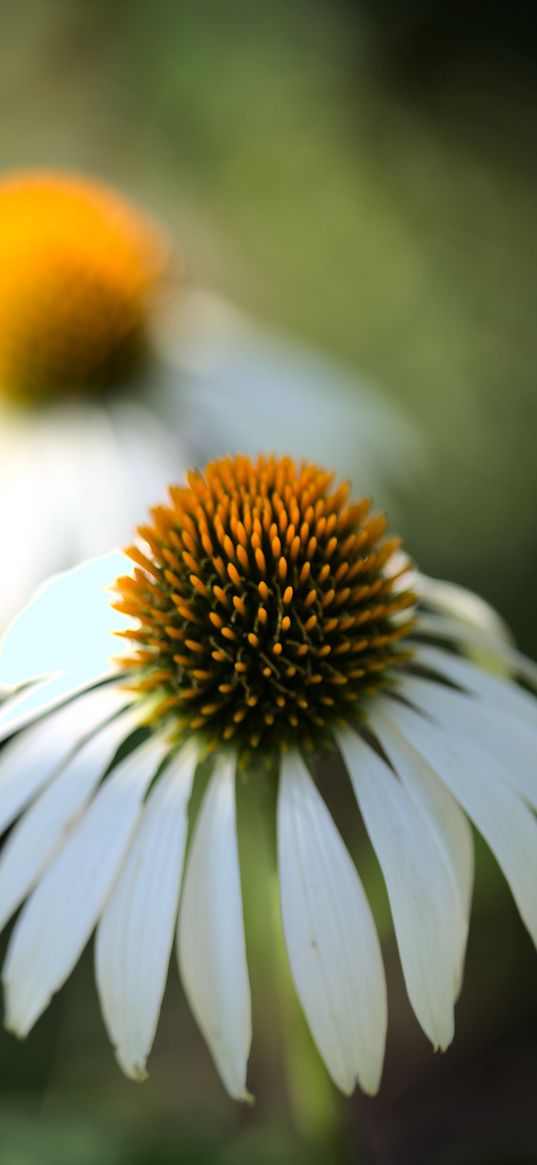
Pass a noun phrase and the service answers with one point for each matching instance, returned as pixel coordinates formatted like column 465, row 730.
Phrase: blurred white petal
column 38, row 481
column 246, row 387
column 76, row 479
column 129, row 459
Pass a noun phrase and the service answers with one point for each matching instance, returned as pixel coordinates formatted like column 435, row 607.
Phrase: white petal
column 492, row 688
column 135, row 934
column 105, row 481
column 510, row 743
column 105, row 462
column 58, row 919
column 36, row 700
column 36, row 491
column 440, row 810
column 121, row 461
column 508, row 826
column 145, row 454
column 470, row 635
column 30, row 760
column 212, row 952
column 451, row 599
column 44, row 827
column 330, row 934
column 420, row 889
column 65, row 634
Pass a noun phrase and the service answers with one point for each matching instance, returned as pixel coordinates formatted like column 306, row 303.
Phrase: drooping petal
column 440, row 811
column 64, row 636
column 510, row 743
column 423, row 902
column 508, row 826
column 58, row 919
column 496, row 690
column 39, row 834
column 19, row 710
column 212, row 951
column 30, row 760
column 135, row 934
column 453, row 600
column 330, row 935
column 471, row 635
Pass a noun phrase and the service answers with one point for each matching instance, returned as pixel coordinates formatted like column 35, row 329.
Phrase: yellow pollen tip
column 249, row 654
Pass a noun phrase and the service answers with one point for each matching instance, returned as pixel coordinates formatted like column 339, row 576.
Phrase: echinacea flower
column 102, row 398
column 80, row 270
column 267, row 616
column 78, row 267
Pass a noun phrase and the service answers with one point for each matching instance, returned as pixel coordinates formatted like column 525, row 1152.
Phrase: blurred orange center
column 77, row 268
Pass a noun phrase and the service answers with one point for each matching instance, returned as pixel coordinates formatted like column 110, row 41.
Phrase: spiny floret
column 264, row 605
column 77, row 266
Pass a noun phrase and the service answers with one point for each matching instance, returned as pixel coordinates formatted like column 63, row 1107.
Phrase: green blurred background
column 363, row 175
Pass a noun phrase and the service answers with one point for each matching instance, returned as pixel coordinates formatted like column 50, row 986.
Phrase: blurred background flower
column 79, row 269
column 361, row 176
column 108, row 369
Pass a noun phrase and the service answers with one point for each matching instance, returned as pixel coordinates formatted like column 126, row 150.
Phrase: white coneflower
column 101, row 399
column 269, row 616
column 81, row 449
